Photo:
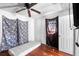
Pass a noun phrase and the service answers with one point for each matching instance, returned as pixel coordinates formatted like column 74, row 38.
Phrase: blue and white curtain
column 22, row 31
column 14, row 33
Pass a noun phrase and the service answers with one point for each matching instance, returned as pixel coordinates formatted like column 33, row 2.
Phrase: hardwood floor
column 4, row 53
column 42, row 50
column 45, row 50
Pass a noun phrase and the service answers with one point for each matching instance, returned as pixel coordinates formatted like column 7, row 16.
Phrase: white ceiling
column 44, row 8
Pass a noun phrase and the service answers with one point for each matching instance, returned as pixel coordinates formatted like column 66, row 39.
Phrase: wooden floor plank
column 4, row 53
column 45, row 50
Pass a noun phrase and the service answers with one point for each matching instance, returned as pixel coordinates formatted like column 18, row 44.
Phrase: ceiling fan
column 28, row 7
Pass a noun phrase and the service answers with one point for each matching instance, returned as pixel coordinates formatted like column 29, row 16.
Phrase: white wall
column 40, row 31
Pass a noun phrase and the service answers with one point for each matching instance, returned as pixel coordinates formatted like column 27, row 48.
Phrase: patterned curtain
column 9, row 33
column 14, row 33
column 22, row 31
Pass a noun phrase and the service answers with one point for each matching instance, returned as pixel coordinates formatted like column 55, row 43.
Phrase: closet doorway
column 52, row 32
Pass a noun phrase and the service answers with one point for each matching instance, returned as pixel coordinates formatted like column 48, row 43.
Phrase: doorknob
column 77, row 44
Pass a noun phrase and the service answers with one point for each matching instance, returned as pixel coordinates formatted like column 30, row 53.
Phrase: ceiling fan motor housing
column 27, row 5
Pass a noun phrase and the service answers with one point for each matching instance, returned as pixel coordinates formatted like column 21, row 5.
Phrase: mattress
column 24, row 49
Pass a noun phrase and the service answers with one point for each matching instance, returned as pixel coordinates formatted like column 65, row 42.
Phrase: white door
column 65, row 35
column 76, row 40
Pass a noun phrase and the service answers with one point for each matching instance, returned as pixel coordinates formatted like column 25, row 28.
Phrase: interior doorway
column 52, row 32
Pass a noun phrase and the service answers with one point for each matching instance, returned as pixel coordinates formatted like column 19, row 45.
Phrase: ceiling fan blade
column 32, row 4
column 29, row 14
column 20, row 10
column 36, row 11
